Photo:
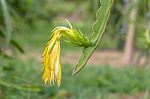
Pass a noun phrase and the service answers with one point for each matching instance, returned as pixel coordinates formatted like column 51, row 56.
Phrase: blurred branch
column 26, row 87
column 13, row 42
column 7, row 20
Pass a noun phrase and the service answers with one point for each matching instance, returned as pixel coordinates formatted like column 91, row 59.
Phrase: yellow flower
column 52, row 64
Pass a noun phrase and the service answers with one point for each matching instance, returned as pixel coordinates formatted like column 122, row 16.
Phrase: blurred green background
column 25, row 27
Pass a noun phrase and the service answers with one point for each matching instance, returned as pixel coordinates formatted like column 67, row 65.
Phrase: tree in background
column 143, row 40
column 132, row 7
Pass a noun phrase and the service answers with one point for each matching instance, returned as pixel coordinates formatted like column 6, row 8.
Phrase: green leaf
column 102, row 15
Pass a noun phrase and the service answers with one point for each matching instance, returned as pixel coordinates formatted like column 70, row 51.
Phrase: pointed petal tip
column 77, row 68
column 75, row 71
